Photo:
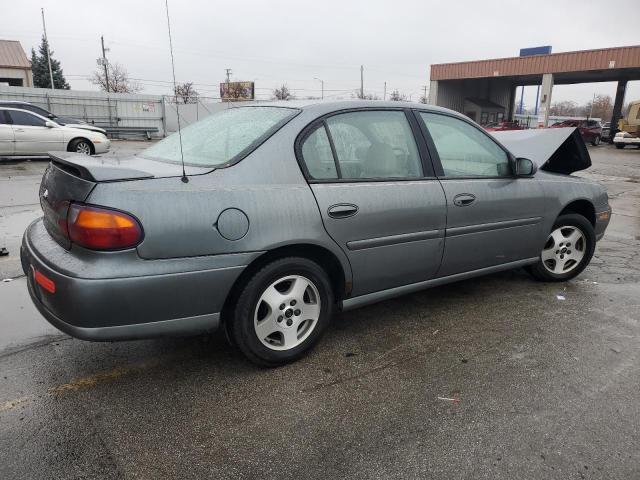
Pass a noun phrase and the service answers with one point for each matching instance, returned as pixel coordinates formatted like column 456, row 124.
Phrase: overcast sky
column 280, row 41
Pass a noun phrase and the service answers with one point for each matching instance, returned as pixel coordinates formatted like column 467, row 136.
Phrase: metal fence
column 98, row 108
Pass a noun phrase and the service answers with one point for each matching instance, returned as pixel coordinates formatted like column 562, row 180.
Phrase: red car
column 502, row 126
column 591, row 130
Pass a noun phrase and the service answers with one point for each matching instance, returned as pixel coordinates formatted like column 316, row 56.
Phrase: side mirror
column 49, row 124
column 525, row 167
column 51, row 116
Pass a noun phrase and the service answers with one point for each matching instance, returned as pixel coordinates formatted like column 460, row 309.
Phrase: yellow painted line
column 99, row 378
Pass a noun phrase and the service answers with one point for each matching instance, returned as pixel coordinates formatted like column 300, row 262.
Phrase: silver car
column 24, row 133
column 267, row 218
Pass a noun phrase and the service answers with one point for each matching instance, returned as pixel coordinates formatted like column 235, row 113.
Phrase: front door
column 493, row 217
column 6, row 135
column 376, row 201
column 31, row 135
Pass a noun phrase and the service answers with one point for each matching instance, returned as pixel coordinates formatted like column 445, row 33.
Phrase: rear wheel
column 282, row 311
column 619, row 146
column 568, row 249
column 80, row 145
column 596, row 141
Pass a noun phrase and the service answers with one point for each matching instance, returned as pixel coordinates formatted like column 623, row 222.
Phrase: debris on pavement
column 435, row 332
column 452, row 400
column 7, row 280
column 616, row 350
column 3, row 252
column 560, row 297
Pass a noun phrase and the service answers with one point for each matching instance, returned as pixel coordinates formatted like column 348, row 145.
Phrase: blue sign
column 527, row 52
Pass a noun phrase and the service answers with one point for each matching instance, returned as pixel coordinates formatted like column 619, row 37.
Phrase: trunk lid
column 559, row 150
column 70, row 177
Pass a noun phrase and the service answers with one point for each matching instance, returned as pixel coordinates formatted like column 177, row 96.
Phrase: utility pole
column 425, row 94
column 228, row 73
column 321, row 86
column 384, row 97
column 105, row 63
column 361, row 81
column 44, row 28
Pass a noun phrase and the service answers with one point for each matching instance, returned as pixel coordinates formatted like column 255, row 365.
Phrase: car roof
column 321, row 107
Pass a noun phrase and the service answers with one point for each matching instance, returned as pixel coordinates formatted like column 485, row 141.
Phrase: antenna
column 175, row 96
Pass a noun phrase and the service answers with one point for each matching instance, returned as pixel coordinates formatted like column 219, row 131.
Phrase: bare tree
column 185, row 93
column 600, row 107
column 283, row 93
column 365, row 96
column 119, row 81
column 396, row 96
column 566, row 108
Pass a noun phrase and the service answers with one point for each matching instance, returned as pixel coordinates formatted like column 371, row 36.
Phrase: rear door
column 31, row 135
column 6, row 135
column 493, row 217
column 377, row 194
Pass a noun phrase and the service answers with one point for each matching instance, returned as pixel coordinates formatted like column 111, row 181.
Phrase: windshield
column 222, row 137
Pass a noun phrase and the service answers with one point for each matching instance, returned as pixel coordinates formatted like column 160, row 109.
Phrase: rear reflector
column 99, row 228
column 44, row 282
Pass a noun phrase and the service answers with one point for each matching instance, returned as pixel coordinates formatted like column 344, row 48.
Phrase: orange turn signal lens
column 100, row 228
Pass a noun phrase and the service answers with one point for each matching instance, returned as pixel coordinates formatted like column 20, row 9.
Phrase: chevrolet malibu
column 265, row 219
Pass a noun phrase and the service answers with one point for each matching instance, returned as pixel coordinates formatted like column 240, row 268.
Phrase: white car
column 24, row 133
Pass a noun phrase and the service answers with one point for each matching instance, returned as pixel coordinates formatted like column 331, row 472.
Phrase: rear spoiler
column 96, row 169
column 559, row 150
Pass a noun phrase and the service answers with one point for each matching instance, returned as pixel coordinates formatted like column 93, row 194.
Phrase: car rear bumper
column 92, row 304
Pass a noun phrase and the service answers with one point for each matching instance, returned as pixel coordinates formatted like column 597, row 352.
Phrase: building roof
column 604, row 59
column 12, row 55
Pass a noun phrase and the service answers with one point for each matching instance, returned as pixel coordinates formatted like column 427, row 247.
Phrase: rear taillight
column 99, row 228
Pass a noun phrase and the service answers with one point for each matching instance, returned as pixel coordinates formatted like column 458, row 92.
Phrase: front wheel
column 80, row 145
column 568, row 249
column 619, row 146
column 595, row 142
column 282, row 311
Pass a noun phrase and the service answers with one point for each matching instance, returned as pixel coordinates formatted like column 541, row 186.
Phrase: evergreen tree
column 40, row 69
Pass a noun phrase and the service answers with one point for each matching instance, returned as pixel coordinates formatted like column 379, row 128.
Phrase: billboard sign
column 527, row 52
column 237, row 91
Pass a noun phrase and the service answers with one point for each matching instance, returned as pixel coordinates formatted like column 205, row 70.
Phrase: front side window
column 222, row 137
column 464, row 150
column 25, row 118
column 374, row 144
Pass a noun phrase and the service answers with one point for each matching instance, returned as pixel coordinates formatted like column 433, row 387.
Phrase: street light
column 322, row 86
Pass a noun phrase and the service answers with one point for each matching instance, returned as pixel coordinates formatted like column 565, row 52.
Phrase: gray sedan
column 265, row 219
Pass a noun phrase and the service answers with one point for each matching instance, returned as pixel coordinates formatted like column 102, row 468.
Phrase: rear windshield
column 221, row 138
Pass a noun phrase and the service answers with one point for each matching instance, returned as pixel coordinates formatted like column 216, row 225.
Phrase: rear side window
column 3, row 118
column 221, row 138
column 316, row 151
column 368, row 145
column 25, row 118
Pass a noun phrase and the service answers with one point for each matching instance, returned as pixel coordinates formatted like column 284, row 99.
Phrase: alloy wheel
column 287, row 312
column 564, row 250
column 83, row 148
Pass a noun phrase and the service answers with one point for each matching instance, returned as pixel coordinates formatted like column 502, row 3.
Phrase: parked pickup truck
column 629, row 127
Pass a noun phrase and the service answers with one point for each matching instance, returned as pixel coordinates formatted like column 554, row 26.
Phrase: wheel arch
column 91, row 145
column 581, row 207
column 340, row 278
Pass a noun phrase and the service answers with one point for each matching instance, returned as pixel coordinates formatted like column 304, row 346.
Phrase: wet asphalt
column 499, row 377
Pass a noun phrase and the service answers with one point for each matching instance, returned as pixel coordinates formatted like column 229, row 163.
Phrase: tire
column 81, row 145
column 619, row 146
column 565, row 255
column 270, row 335
column 596, row 141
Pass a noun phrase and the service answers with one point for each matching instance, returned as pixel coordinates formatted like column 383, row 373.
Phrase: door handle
column 464, row 199
column 18, row 129
column 342, row 210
